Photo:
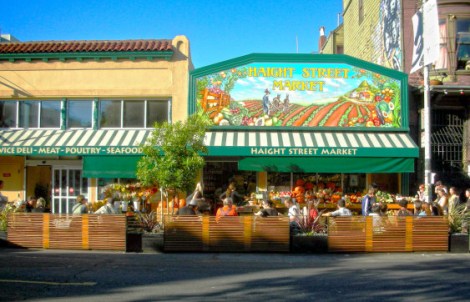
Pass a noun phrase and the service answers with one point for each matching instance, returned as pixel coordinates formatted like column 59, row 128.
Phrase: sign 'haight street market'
column 313, row 94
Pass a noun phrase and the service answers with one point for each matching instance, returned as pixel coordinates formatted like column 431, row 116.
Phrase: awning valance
column 73, row 142
column 311, row 144
column 110, row 166
column 327, row 164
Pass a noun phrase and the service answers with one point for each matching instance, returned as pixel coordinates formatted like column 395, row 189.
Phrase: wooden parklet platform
column 55, row 231
column 229, row 234
column 388, row 234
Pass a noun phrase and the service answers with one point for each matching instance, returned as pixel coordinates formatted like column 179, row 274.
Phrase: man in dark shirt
column 190, row 209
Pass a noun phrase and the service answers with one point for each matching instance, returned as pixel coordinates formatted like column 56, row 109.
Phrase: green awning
column 309, row 144
column 110, row 166
column 73, row 142
column 328, row 164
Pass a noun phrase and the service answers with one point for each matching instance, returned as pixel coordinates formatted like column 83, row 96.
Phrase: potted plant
column 459, row 219
column 311, row 235
column 173, row 156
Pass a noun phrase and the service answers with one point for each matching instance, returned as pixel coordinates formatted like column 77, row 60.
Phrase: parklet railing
column 227, row 234
column 388, row 234
column 62, row 231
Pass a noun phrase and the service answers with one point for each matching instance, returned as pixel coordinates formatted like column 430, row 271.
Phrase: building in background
column 73, row 114
column 381, row 32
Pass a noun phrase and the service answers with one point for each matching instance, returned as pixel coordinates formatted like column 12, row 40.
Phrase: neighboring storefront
column 331, row 120
column 73, row 114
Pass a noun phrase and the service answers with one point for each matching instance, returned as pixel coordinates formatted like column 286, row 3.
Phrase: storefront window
column 157, row 111
column 8, row 111
column 50, row 114
column 134, row 114
column 110, row 114
column 443, row 60
column 35, row 114
column 79, row 114
column 463, row 44
column 29, row 114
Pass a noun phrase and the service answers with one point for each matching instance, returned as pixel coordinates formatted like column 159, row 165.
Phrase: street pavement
column 52, row 275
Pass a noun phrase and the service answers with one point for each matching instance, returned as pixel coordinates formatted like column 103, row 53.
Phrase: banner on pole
column 430, row 32
column 418, row 45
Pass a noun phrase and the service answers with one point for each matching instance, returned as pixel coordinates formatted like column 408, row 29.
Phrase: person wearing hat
column 266, row 101
column 189, row 209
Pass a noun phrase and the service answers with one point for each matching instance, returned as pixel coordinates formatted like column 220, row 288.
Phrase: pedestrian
column 442, row 200
column 267, row 210
column 231, row 192
column 368, row 201
column 294, row 216
column 453, row 200
column 3, row 198
column 403, row 211
column 30, row 204
column 40, row 206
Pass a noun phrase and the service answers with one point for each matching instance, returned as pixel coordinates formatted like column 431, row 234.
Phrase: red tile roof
column 85, row 46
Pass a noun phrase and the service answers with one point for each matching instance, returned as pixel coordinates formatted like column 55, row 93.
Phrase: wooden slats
column 55, row 231
column 229, row 234
column 388, row 234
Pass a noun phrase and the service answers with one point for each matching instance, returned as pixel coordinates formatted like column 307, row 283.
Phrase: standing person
column 368, row 201
column 80, row 206
column 189, row 209
column 227, row 210
column 467, row 201
column 266, row 102
column 442, row 201
column 40, row 206
column 3, row 198
column 231, row 192
column 453, row 201
column 294, row 216
column 30, row 204
column 342, row 210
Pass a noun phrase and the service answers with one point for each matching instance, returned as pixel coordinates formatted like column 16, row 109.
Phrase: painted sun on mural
column 300, row 95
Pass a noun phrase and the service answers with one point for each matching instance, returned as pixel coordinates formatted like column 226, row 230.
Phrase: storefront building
column 73, row 114
column 332, row 121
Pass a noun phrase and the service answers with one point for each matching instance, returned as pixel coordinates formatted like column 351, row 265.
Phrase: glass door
column 68, row 183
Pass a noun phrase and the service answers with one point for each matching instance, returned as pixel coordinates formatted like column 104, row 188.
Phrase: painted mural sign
column 300, row 95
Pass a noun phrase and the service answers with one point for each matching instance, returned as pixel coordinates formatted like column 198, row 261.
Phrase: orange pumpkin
column 300, row 182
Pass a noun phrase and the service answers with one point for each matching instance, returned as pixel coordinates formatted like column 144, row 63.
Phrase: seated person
column 227, row 210
column 40, row 206
column 341, row 211
column 403, row 211
column 190, row 209
column 267, row 210
column 294, row 216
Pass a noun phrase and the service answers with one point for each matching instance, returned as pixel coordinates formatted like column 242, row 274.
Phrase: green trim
column 105, row 166
column 63, row 114
column 327, row 165
column 301, row 58
column 95, row 110
column 79, row 56
column 317, row 152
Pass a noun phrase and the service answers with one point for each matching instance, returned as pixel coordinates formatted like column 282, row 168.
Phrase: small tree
column 173, row 155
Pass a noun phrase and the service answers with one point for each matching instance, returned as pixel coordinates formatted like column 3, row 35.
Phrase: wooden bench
column 229, row 234
column 76, row 232
column 388, row 234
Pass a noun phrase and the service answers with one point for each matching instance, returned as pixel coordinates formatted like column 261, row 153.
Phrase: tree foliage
column 173, row 154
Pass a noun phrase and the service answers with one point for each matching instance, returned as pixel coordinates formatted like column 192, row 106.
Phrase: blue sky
column 218, row 30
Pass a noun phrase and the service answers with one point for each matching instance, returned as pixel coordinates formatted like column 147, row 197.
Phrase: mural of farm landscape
column 299, row 95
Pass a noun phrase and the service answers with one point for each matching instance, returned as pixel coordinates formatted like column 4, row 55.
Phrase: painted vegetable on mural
column 236, row 98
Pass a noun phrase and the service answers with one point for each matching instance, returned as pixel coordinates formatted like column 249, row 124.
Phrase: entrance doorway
column 67, row 184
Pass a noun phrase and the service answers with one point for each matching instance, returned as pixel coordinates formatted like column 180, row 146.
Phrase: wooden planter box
column 309, row 244
column 459, row 243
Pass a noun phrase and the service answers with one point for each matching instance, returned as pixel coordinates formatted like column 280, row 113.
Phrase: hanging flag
column 418, row 45
column 430, row 32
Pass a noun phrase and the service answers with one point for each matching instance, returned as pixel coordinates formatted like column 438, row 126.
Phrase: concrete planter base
column 309, row 244
column 459, row 243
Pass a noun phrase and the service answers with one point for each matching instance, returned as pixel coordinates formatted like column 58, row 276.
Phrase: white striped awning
column 309, row 143
column 73, row 142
